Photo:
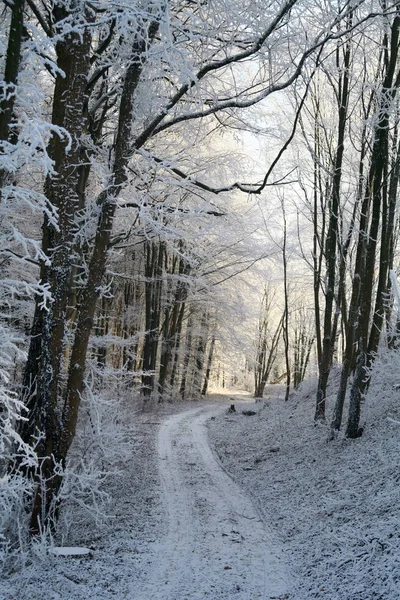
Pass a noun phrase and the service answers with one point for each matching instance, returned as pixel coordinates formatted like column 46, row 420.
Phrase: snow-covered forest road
column 217, row 545
column 178, row 527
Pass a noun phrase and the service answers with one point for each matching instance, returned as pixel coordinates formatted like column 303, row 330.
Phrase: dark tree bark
column 173, row 324
column 199, row 357
column 154, row 259
column 328, row 340
column 69, row 98
column 375, row 189
column 186, row 358
column 177, row 346
column 208, row 369
column 389, row 201
column 265, row 356
column 285, row 323
column 351, row 318
column 11, row 72
column 43, row 368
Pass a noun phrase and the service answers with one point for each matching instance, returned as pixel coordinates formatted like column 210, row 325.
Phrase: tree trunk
column 42, row 371
column 375, row 188
column 59, row 435
column 267, row 361
column 208, row 369
column 11, row 72
column 177, row 346
column 186, row 359
column 153, row 286
column 351, row 321
column 200, row 355
column 285, row 322
column 328, row 341
column 172, row 325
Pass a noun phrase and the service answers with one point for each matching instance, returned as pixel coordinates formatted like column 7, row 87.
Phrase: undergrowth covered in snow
column 111, row 506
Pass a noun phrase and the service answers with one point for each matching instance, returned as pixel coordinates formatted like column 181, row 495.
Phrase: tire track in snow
column 217, row 545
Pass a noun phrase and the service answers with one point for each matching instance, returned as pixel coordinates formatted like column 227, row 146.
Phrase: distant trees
column 268, row 338
column 302, row 344
column 154, row 290
column 273, row 353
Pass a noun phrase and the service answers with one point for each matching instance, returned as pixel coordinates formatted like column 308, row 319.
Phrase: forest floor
column 229, row 506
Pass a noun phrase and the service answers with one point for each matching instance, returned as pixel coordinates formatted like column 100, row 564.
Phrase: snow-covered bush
column 382, row 401
column 101, row 446
column 14, row 486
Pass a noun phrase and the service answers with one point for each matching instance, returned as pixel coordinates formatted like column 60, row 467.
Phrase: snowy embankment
column 335, row 506
column 298, row 518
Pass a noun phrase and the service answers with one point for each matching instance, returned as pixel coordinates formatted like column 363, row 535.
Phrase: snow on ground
column 334, row 505
column 283, row 513
column 121, row 544
column 217, row 545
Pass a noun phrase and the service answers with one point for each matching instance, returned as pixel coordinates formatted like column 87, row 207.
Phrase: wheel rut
column 217, row 545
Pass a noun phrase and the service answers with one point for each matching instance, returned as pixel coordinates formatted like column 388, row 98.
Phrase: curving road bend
column 217, row 545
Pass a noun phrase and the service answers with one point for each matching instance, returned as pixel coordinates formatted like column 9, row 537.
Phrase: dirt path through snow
column 216, row 545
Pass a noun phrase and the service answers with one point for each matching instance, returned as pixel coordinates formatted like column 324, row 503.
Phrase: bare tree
column 268, row 336
column 304, row 338
column 376, row 201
